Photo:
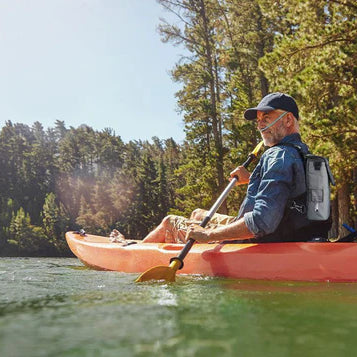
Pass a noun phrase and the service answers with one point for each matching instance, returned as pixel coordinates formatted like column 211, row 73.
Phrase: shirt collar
column 292, row 138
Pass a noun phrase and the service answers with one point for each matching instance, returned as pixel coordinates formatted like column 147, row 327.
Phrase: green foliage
column 56, row 223
column 225, row 40
column 25, row 238
column 64, row 179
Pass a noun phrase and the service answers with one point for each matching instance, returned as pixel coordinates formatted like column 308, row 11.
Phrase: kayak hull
column 334, row 262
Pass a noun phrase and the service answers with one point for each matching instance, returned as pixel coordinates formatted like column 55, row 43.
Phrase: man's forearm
column 235, row 231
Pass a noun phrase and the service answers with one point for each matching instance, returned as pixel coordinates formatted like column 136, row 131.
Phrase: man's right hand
column 242, row 173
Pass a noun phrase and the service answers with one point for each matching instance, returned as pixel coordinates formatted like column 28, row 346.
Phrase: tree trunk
column 216, row 122
column 333, row 233
column 343, row 198
column 354, row 191
column 264, row 84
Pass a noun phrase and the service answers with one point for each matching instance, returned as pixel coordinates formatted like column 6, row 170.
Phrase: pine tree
column 200, row 99
column 55, row 223
column 26, row 239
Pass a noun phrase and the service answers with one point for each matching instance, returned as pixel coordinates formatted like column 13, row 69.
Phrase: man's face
column 274, row 134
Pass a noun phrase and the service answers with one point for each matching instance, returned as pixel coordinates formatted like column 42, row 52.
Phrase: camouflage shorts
column 178, row 226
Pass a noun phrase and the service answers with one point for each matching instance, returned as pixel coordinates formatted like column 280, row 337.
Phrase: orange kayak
column 335, row 262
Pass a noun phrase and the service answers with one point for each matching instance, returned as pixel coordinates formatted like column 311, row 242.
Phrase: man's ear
column 290, row 118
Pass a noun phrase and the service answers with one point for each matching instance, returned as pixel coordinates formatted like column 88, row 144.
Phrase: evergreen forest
column 235, row 52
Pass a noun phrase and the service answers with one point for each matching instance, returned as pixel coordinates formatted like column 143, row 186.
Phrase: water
column 56, row 307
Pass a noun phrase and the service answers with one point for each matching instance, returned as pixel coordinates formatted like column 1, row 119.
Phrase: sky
column 94, row 62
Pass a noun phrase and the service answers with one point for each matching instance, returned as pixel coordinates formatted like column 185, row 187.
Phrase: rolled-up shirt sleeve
column 272, row 196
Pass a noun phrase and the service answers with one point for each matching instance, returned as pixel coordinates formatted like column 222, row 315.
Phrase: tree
column 55, row 223
column 85, row 218
column 220, row 77
column 200, row 99
column 109, row 153
column 26, row 239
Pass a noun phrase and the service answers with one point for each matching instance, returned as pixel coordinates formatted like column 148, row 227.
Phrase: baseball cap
column 271, row 102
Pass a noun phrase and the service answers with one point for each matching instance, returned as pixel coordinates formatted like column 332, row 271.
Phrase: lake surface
column 56, row 307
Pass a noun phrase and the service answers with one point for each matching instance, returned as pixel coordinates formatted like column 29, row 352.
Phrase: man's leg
column 158, row 234
column 173, row 228
column 168, row 231
column 198, row 214
column 219, row 219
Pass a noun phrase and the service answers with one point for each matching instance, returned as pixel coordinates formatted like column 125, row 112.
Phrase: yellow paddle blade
column 258, row 148
column 160, row 272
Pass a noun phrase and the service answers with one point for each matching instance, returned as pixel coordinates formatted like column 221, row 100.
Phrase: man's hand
column 197, row 233
column 242, row 173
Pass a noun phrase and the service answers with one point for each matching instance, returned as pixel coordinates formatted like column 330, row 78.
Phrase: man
column 274, row 207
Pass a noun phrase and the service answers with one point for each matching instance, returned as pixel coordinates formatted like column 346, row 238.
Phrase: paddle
column 168, row 273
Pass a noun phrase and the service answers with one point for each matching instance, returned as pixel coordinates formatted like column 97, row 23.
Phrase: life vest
column 306, row 217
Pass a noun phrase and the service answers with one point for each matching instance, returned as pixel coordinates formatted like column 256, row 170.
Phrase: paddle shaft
column 212, row 211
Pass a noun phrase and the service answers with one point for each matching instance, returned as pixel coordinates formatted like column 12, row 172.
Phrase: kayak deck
column 301, row 261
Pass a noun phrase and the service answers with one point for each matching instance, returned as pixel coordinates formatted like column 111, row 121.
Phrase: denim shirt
column 278, row 177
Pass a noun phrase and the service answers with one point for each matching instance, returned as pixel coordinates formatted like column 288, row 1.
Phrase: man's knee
column 198, row 214
column 167, row 221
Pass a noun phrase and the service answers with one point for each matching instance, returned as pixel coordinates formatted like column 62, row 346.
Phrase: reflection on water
column 56, row 307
